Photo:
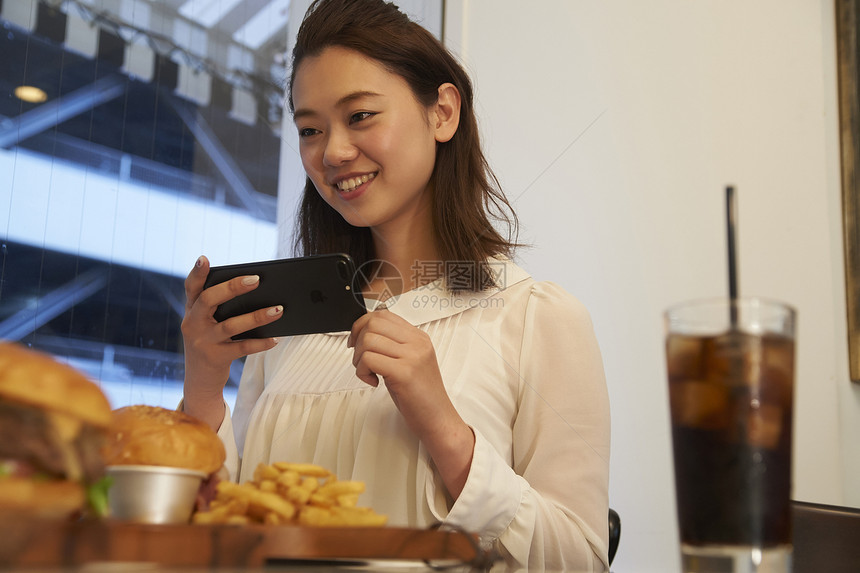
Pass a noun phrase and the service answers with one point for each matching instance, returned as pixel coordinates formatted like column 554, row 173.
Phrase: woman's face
column 366, row 143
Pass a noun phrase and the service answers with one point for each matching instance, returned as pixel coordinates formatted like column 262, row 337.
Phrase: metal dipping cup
column 153, row 494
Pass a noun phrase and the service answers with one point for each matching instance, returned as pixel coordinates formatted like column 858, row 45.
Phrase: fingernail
column 250, row 280
column 199, row 262
column 275, row 310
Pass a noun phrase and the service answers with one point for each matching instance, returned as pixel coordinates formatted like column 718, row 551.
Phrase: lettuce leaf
column 97, row 496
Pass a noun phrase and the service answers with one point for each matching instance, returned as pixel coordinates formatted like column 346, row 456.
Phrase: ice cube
column 699, row 404
column 735, row 358
column 684, row 356
column 764, row 425
column 777, row 382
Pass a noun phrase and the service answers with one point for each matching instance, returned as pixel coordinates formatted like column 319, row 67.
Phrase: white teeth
column 353, row 182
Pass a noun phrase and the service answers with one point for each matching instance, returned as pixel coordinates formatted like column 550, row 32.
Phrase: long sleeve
column 225, row 432
column 548, row 511
column 234, row 427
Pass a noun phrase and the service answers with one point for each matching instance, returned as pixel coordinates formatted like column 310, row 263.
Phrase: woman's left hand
column 387, row 345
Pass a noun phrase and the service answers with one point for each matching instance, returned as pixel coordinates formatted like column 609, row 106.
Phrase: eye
column 360, row 116
column 307, row 131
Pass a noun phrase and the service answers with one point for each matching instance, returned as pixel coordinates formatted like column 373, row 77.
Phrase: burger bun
column 38, row 380
column 40, row 499
column 154, row 436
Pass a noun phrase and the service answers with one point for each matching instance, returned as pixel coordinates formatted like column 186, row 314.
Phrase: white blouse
column 521, row 365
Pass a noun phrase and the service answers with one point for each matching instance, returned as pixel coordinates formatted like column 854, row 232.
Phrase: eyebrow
column 348, row 98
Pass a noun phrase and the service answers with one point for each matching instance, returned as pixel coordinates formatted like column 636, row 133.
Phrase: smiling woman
column 479, row 390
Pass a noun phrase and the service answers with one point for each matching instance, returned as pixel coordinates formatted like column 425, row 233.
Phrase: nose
column 339, row 149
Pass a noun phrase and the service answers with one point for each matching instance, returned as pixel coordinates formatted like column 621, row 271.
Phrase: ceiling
column 251, row 23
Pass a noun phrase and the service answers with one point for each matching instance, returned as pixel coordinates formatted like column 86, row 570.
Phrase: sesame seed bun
column 153, row 436
column 38, row 380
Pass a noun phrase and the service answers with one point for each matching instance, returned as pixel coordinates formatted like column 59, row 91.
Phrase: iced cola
column 731, row 406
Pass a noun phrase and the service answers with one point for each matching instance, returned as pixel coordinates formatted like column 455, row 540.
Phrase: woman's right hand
column 209, row 349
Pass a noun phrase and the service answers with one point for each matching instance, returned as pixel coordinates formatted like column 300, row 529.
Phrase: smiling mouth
column 348, row 185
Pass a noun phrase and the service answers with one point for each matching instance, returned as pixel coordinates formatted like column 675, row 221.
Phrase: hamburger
column 52, row 426
column 154, row 436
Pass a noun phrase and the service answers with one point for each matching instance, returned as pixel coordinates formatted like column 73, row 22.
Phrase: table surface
column 105, row 545
column 825, row 539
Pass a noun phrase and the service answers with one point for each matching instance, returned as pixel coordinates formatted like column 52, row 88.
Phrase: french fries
column 285, row 493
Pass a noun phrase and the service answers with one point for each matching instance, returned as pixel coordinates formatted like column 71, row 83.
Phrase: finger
column 245, row 322
column 362, row 322
column 357, row 327
column 195, row 280
column 385, row 323
column 388, row 315
column 222, row 292
column 373, row 365
column 370, row 378
column 366, row 375
column 254, row 345
column 232, row 350
column 377, row 343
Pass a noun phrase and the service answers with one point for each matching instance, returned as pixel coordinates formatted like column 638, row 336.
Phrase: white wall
column 614, row 127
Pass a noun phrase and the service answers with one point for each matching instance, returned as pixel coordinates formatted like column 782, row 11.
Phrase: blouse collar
column 433, row 301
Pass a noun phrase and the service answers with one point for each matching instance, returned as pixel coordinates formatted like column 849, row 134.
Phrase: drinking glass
column 731, row 383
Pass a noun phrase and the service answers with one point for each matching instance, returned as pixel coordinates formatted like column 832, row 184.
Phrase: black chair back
column 614, row 533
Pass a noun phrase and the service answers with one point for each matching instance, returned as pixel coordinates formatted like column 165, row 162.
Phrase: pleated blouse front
column 522, row 367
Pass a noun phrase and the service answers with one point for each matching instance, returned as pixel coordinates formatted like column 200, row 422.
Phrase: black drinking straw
column 733, row 273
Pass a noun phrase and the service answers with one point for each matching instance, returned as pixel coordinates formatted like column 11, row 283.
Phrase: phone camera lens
column 342, row 270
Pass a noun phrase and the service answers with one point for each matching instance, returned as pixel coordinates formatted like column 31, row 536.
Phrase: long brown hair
column 467, row 197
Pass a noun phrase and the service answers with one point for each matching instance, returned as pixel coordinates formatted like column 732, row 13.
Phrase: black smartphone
column 318, row 294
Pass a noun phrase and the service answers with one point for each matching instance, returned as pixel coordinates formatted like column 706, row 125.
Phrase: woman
column 475, row 395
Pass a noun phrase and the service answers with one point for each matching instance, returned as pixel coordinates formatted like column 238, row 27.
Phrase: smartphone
column 318, row 294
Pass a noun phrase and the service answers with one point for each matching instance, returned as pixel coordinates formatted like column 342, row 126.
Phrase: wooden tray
column 57, row 544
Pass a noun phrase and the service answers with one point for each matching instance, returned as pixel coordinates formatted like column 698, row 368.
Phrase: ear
column 446, row 112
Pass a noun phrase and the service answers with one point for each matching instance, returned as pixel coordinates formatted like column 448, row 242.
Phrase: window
column 130, row 143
